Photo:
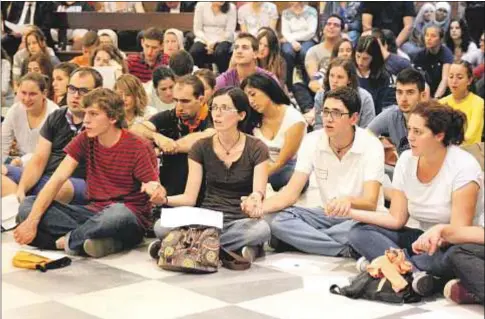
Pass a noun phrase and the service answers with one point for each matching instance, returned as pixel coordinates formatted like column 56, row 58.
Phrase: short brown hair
column 208, row 76
column 41, row 80
column 441, row 118
column 90, row 39
column 251, row 38
column 131, row 85
column 193, row 81
column 153, row 34
column 108, row 101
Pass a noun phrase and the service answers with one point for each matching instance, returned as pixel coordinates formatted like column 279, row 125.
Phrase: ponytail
column 443, row 119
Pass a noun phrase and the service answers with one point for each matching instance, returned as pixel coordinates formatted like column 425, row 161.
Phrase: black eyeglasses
column 81, row 91
column 334, row 114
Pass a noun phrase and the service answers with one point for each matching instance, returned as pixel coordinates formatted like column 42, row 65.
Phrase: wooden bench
column 117, row 21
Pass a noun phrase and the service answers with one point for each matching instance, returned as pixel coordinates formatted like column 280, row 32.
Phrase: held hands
column 252, row 205
column 429, row 242
column 296, row 46
column 166, row 145
column 338, row 207
column 25, row 233
column 157, row 193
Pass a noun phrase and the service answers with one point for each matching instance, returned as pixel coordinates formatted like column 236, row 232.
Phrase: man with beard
column 59, row 129
column 175, row 131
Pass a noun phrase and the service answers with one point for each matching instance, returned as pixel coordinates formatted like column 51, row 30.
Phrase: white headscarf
column 179, row 34
column 445, row 23
column 111, row 34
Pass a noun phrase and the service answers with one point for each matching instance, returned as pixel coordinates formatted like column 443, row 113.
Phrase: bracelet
column 260, row 193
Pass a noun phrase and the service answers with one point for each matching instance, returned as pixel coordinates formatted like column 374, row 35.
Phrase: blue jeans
column 235, row 234
column 293, row 59
column 372, row 241
column 310, row 230
column 280, row 178
column 14, row 173
column 466, row 260
column 411, row 49
column 79, row 223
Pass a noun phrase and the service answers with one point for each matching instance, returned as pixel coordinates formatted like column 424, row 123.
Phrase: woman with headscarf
column 443, row 15
column 416, row 42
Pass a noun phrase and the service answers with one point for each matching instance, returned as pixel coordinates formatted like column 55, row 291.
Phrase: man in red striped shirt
column 122, row 183
column 143, row 64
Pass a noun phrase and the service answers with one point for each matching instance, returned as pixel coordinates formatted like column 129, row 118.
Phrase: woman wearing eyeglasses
column 277, row 123
column 25, row 118
column 234, row 165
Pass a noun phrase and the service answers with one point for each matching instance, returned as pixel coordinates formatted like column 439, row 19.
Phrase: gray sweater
column 367, row 109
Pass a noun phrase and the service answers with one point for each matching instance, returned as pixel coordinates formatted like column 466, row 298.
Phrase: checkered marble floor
column 130, row 285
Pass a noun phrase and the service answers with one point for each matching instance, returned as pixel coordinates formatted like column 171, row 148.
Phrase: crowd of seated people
column 290, row 98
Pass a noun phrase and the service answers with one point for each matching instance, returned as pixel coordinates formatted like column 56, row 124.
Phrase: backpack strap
column 233, row 261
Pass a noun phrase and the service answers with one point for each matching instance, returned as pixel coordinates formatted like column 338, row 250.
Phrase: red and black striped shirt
column 140, row 68
column 115, row 174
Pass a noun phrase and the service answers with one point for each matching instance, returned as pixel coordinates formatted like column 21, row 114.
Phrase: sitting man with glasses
column 175, row 131
column 58, row 130
column 348, row 163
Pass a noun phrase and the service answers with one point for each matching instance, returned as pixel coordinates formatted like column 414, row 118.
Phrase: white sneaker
column 362, row 264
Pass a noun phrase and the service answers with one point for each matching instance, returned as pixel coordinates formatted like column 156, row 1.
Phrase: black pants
column 221, row 55
column 474, row 19
column 467, row 262
column 303, row 96
column 10, row 44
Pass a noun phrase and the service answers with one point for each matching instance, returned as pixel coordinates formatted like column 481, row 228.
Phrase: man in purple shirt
column 244, row 57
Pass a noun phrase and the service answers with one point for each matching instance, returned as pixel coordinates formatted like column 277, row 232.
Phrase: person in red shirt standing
column 122, row 183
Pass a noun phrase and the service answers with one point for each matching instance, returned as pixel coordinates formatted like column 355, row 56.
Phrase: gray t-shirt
column 225, row 186
column 367, row 109
column 318, row 54
column 392, row 122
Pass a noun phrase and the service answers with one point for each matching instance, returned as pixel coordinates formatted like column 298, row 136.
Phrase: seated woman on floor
column 135, row 99
column 436, row 182
column 277, row 123
column 234, row 165
column 25, row 118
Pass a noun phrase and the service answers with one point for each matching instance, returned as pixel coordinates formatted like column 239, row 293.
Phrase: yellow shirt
column 472, row 106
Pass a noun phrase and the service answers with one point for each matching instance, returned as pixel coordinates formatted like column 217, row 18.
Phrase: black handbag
column 364, row 286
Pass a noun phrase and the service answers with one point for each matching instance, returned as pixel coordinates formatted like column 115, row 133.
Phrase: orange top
column 81, row 60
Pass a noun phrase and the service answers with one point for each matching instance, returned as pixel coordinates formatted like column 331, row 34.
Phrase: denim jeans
column 372, row 241
column 235, row 234
column 115, row 221
column 294, row 58
column 411, row 49
column 466, row 261
column 310, row 230
column 280, row 178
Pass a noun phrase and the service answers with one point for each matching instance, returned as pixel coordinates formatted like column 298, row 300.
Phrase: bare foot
column 61, row 243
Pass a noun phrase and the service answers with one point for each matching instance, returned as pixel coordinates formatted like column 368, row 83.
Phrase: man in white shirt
column 349, row 166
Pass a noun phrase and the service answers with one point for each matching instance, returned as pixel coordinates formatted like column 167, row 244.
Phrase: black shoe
column 154, row 248
column 423, row 284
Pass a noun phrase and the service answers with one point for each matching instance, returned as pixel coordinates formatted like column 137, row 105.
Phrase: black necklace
column 228, row 151
column 340, row 149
